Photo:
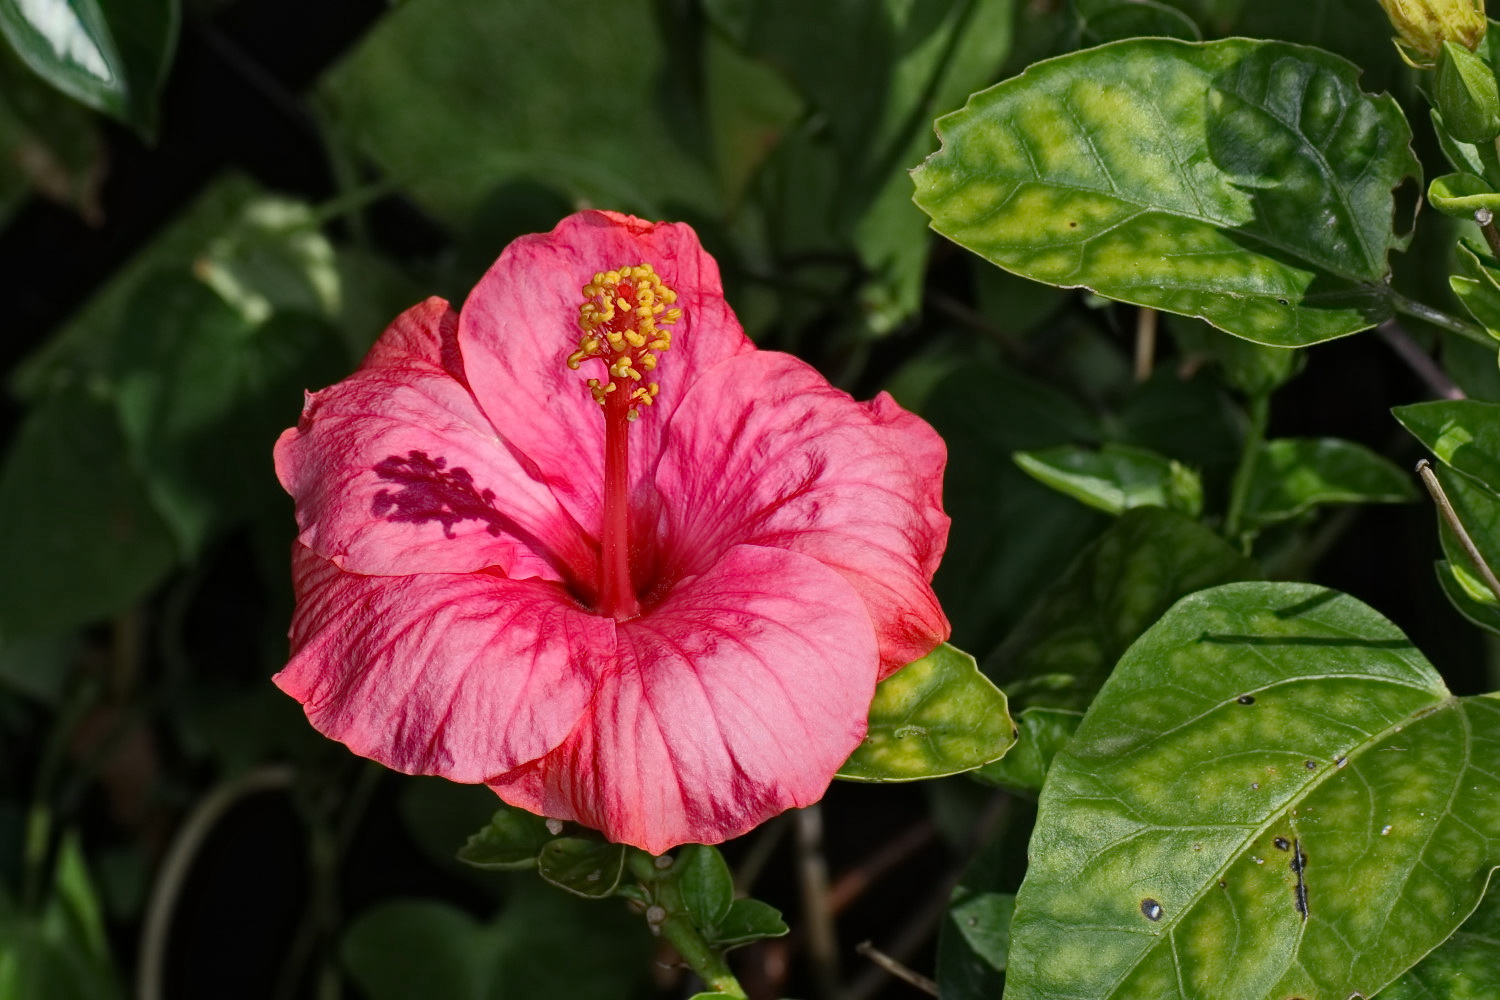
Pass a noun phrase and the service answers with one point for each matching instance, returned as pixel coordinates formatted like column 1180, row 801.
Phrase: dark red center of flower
column 623, row 324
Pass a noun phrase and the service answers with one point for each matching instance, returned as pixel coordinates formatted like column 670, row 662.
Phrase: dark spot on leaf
column 1246, row 699
column 1282, row 844
column 1255, row 785
column 1281, row 301
column 1312, row 765
column 1151, row 908
column 1223, row 884
column 1072, row 225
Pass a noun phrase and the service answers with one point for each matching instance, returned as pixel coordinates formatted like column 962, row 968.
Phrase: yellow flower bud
column 1424, row 25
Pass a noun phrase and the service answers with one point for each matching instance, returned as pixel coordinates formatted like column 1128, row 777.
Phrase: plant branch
column 1450, row 518
column 817, row 911
column 668, row 916
column 896, row 969
column 1244, row 474
column 1418, row 360
column 1145, row 342
column 1438, row 318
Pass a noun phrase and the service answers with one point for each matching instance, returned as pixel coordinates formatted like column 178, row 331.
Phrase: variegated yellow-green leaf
column 1273, row 796
column 1246, row 182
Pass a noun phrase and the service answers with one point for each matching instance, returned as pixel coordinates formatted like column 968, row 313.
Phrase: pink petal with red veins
column 397, row 470
column 764, row 451
column 736, row 698
column 521, row 322
column 460, row 675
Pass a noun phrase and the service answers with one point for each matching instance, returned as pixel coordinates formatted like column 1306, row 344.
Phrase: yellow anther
column 622, row 321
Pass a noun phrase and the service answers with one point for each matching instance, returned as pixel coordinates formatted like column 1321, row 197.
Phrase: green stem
column 1244, row 474
column 1438, row 318
column 676, row 925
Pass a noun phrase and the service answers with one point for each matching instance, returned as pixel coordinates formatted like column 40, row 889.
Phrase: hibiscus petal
column 520, row 324
column 857, row 486
column 736, row 698
column 397, row 470
column 460, row 675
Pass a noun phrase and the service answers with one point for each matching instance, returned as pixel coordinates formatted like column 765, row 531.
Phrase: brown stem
column 1450, row 518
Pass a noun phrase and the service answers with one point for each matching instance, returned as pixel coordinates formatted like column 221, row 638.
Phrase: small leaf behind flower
column 514, row 838
column 707, row 886
column 587, row 868
column 1116, row 477
column 749, row 920
column 936, row 716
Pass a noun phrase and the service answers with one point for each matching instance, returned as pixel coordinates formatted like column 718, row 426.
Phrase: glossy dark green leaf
column 1068, row 642
column 514, row 838
column 706, row 885
column 1462, row 433
column 983, row 918
column 82, row 539
column 1044, row 731
column 749, row 920
column 1245, row 182
column 111, row 56
column 1465, row 967
column 1293, row 475
column 587, row 868
column 1116, row 477
column 934, row 717
column 1272, row 765
column 1464, row 92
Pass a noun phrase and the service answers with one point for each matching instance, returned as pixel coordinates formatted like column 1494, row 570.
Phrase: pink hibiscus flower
column 583, row 543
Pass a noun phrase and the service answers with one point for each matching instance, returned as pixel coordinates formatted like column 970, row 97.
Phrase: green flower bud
column 1424, row 25
column 1466, row 95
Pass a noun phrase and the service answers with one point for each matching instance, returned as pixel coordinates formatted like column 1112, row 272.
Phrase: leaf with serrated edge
column 1246, row 182
column 934, row 717
column 1256, row 725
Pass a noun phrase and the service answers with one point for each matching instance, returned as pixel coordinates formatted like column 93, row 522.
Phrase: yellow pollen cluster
column 624, row 319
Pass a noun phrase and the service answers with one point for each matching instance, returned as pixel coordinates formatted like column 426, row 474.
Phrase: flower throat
column 623, row 321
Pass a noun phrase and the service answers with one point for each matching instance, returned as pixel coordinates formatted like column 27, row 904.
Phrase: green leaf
column 514, row 838
column 543, row 943
column 706, row 885
column 1258, row 738
column 587, row 868
column 111, row 56
column 1044, row 731
column 935, row 716
column 1245, row 182
column 273, row 259
column 203, row 394
column 1477, row 286
column 1293, row 475
column 1465, row 967
column 749, row 920
column 1464, row 434
column 1461, row 195
column 1068, row 642
column 1009, row 532
column 1116, row 478
column 1252, row 369
column 1478, row 510
column 1468, row 594
column 1113, row 20
column 82, row 540
column 60, row 953
column 983, row 918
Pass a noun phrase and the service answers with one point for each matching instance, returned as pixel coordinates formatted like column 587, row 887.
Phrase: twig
column 1418, row 360
column 1485, row 220
column 812, row 874
column 179, row 861
column 1438, row 318
column 1145, row 342
column 1450, row 518
column 852, row 884
column 896, row 969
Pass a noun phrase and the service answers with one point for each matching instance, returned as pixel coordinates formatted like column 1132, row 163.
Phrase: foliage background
column 174, row 276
